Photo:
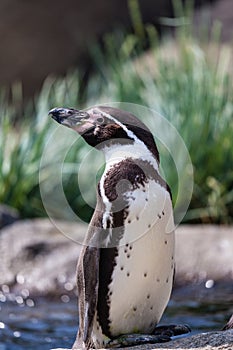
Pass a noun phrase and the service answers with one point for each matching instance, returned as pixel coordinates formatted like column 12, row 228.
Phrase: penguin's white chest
column 143, row 275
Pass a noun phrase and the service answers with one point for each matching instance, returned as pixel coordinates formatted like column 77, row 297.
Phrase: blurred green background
column 176, row 65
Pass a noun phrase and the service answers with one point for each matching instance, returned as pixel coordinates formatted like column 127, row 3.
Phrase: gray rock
column 203, row 341
column 37, row 256
column 204, row 252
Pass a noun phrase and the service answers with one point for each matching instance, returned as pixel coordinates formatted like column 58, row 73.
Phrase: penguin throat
column 115, row 153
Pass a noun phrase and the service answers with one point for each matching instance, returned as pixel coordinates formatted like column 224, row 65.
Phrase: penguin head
column 102, row 125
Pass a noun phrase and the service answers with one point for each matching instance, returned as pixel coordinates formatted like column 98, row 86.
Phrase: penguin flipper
column 88, row 267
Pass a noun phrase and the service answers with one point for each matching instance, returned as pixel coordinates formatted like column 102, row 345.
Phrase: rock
column 42, row 258
column 38, row 257
column 8, row 215
column 204, row 252
column 203, row 341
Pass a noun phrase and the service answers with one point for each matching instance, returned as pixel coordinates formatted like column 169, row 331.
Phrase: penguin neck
column 115, row 153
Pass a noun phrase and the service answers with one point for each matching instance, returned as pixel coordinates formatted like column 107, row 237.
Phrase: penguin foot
column 126, row 340
column 161, row 334
column 171, row 330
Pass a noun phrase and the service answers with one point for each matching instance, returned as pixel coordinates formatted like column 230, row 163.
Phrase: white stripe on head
column 146, row 154
column 128, row 132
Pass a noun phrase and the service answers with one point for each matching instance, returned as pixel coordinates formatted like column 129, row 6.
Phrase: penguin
column 126, row 268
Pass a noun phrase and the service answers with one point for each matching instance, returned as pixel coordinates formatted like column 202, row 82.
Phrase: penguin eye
column 100, row 120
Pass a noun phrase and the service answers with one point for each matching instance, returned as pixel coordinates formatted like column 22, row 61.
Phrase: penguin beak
column 70, row 117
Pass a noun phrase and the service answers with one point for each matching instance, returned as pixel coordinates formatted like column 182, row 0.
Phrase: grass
column 22, row 147
column 177, row 80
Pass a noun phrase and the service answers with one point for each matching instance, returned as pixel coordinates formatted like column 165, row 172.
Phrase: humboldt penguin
column 126, row 268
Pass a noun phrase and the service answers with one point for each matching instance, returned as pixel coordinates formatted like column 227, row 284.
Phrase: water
column 42, row 324
column 49, row 324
